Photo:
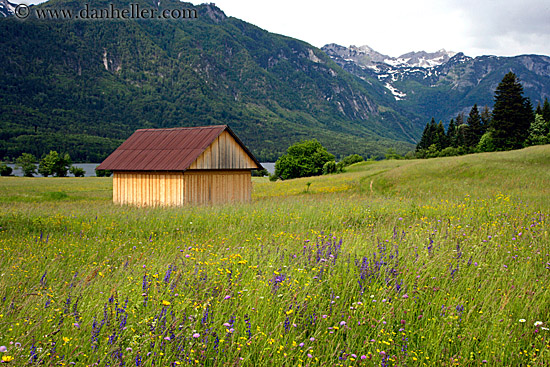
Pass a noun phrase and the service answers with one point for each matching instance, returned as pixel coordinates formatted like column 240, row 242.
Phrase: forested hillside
column 83, row 86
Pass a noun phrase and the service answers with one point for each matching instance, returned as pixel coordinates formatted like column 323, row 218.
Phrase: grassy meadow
column 438, row 262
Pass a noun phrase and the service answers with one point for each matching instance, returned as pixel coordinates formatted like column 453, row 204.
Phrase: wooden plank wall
column 148, row 188
column 177, row 188
column 217, row 187
column 224, row 153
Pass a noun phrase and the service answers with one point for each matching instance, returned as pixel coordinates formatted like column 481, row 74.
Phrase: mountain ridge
column 451, row 83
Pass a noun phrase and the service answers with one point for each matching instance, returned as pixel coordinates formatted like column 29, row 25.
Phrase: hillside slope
column 85, row 85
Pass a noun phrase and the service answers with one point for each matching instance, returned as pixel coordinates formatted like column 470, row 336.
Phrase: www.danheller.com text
column 133, row 11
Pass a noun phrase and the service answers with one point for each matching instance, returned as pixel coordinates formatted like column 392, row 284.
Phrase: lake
column 89, row 168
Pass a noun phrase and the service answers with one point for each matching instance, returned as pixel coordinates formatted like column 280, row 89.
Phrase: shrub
column 27, row 163
column 77, row 171
column 351, row 159
column 486, row 143
column 329, row 167
column 302, row 159
column 259, row 173
column 5, row 170
column 54, row 164
column 103, row 172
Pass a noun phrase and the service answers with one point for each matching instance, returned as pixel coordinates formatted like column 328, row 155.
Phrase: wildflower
column 128, row 349
column 522, row 320
column 227, row 297
column 17, row 345
column 7, row 358
column 3, row 349
column 342, row 323
column 196, row 335
column 165, row 303
column 405, row 296
column 538, row 323
column 312, row 339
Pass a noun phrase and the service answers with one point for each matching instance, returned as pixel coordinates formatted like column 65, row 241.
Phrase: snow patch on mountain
column 396, row 93
column 6, row 8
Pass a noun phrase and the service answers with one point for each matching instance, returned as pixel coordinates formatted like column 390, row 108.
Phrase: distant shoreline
column 89, row 169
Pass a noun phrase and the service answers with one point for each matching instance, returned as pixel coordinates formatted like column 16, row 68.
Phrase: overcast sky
column 394, row 27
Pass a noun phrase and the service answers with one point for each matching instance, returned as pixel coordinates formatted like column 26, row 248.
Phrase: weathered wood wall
column 224, row 153
column 178, row 188
column 217, row 187
column 148, row 188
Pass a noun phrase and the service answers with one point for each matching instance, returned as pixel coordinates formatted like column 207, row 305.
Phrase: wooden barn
column 181, row 166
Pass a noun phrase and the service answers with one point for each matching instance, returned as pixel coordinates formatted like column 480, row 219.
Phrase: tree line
column 51, row 164
column 513, row 124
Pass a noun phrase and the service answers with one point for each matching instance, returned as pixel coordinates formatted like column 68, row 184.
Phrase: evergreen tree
column 440, row 139
column 461, row 135
column 451, row 134
column 538, row 111
column 427, row 138
column 546, row 111
column 475, row 128
column 485, row 118
column 512, row 114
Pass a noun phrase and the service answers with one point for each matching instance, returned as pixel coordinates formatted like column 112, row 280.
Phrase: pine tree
column 512, row 114
column 440, row 139
column 451, row 134
column 427, row 138
column 546, row 111
column 485, row 118
column 538, row 111
column 475, row 128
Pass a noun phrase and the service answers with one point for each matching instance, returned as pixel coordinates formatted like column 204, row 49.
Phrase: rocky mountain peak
column 6, row 8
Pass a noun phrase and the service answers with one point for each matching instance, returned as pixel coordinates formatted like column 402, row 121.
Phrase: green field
column 436, row 262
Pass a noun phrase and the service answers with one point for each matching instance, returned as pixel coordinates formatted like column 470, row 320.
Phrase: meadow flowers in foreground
column 309, row 281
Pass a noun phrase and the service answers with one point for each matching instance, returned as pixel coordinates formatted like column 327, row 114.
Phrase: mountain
column 83, row 86
column 365, row 56
column 6, row 8
column 443, row 84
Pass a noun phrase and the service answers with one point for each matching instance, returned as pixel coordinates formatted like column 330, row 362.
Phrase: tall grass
column 437, row 262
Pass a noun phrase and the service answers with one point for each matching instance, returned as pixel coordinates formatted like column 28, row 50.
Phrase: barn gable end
column 224, row 153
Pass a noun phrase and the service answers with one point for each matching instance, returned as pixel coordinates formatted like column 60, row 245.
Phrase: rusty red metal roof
column 172, row 149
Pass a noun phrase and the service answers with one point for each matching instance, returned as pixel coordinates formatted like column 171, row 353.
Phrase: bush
column 5, row 170
column 302, row 159
column 486, row 143
column 351, row 159
column 77, row 171
column 103, row 172
column 27, row 163
column 392, row 154
column 54, row 164
column 259, row 173
column 329, row 167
